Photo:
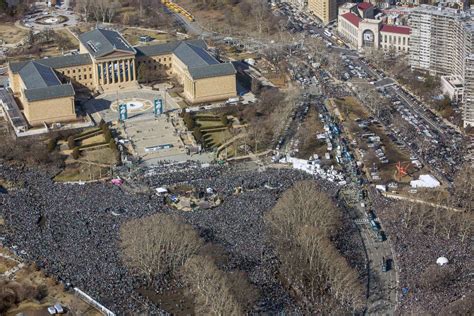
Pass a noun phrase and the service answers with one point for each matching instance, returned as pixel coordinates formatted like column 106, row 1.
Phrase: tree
column 52, row 142
column 209, row 287
column 76, row 153
column 84, row 7
column 157, row 244
column 224, row 119
column 463, row 188
column 70, row 142
column 108, row 135
column 301, row 226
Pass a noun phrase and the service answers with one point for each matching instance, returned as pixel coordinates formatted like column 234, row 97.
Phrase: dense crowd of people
column 416, row 255
column 72, row 231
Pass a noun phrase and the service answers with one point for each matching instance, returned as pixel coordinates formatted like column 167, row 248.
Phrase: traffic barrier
column 93, row 302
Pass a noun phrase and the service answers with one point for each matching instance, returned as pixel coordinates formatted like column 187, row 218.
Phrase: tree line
column 301, row 227
column 164, row 245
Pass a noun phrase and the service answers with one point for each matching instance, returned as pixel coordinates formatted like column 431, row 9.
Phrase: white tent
column 441, row 261
column 161, row 190
column 425, row 181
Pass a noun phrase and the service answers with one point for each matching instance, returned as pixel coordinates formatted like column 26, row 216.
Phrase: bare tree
column 301, row 226
column 209, row 287
column 84, row 7
column 157, row 244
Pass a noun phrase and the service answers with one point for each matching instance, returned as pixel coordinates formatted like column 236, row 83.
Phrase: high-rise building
column 437, row 41
column 468, row 74
column 468, row 105
column 442, row 43
column 325, row 10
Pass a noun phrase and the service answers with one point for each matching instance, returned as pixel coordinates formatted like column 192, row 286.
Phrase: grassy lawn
column 102, row 156
column 93, row 140
column 215, row 139
column 132, row 36
column 81, row 172
column 351, row 110
column 10, row 34
column 182, row 104
column 209, row 124
column 69, row 36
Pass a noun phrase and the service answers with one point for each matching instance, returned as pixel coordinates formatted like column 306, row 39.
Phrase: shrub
column 189, row 121
column 42, row 292
column 70, row 142
column 108, row 136
column 224, row 120
column 105, row 128
column 76, row 153
column 52, row 144
column 112, row 145
column 197, row 134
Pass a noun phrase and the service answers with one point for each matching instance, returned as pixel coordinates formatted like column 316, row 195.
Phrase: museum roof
column 36, row 75
column 194, row 55
column 52, row 92
column 101, row 42
column 41, row 82
column 212, row 71
column 166, row 48
column 56, row 62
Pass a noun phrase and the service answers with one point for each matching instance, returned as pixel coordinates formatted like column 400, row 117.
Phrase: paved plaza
column 153, row 139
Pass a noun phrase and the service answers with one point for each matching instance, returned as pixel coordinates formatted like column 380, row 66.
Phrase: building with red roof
column 358, row 27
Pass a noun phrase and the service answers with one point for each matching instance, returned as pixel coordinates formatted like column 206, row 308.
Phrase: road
column 415, row 108
column 382, row 286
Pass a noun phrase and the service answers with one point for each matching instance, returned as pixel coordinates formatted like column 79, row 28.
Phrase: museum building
column 107, row 62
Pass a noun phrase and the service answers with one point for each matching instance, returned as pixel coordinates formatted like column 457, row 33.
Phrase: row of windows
column 393, row 39
column 80, row 77
column 150, row 62
column 399, row 48
column 79, row 70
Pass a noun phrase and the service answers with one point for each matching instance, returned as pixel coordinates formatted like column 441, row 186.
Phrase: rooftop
column 101, row 42
column 395, row 29
column 193, row 54
column 364, row 6
column 352, row 18
column 56, row 62
column 42, row 83
column 442, row 11
column 36, row 75
column 166, row 48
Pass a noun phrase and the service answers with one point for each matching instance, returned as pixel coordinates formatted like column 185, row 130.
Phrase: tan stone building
column 360, row 30
column 325, row 10
column 107, row 62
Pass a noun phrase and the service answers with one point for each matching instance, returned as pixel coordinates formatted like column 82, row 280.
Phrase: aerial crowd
column 71, row 231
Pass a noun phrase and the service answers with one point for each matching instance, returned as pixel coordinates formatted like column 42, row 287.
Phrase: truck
column 232, row 100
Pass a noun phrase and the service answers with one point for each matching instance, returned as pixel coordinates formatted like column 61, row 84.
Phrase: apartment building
column 437, row 39
column 468, row 74
column 325, row 10
column 442, row 43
